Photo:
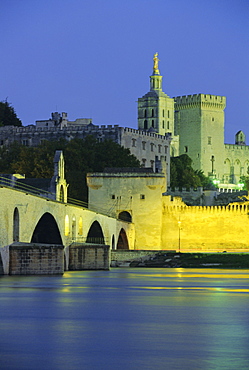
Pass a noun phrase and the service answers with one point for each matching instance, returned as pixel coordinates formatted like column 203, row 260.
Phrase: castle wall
column 236, row 162
column 205, row 229
column 147, row 147
column 138, row 194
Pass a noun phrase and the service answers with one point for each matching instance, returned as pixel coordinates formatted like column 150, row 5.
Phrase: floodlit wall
column 138, row 194
column 205, row 229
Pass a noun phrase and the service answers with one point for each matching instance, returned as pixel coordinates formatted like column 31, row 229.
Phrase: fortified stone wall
column 147, row 147
column 205, row 229
column 139, row 195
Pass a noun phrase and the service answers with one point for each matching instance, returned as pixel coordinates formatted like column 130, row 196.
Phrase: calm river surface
column 126, row 319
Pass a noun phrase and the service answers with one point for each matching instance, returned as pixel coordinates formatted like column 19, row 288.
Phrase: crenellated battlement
column 237, row 208
column 77, row 128
column 147, row 134
column 205, row 100
column 236, row 147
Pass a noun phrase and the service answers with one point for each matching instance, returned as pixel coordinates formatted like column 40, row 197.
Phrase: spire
column 156, row 78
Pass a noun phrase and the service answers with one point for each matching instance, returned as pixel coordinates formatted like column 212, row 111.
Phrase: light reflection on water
column 126, row 319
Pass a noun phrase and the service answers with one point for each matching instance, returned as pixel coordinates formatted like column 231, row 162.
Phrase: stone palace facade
column 192, row 124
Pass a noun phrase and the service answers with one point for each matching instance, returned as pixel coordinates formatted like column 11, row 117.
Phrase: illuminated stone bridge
column 32, row 222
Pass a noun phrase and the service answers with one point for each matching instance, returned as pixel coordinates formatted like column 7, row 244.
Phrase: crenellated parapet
column 178, row 209
column 200, row 100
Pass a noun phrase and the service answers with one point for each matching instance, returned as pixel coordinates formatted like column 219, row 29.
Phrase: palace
column 196, row 123
column 192, row 124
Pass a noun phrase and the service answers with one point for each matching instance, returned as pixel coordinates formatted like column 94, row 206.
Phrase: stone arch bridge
column 31, row 219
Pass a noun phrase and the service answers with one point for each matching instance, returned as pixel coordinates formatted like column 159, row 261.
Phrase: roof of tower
column 155, row 94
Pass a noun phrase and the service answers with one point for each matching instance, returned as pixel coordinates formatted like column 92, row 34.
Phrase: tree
column 89, row 155
column 182, row 174
column 8, row 156
column 81, row 157
column 8, row 115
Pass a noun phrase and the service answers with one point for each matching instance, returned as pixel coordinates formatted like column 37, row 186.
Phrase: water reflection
column 126, row 319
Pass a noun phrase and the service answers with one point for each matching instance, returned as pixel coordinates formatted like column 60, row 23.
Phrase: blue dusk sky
column 93, row 58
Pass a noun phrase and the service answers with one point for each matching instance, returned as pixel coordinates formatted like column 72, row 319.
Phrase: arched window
column 145, row 113
column 152, row 123
column 152, row 112
column 125, row 216
column 16, row 225
column 145, row 124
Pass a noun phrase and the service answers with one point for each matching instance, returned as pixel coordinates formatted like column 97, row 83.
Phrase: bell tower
column 156, row 109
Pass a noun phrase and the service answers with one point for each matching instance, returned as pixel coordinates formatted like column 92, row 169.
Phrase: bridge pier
column 49, row 259
column 36, row 259
column 89, row 256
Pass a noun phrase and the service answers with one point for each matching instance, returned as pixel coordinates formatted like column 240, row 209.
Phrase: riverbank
column 189, row 260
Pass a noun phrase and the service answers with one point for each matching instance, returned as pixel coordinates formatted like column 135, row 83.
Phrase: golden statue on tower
column 155, row 67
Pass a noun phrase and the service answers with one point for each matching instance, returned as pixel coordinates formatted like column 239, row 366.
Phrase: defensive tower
column 199, row 122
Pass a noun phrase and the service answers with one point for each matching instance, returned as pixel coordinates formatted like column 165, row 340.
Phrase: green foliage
column 8, row 156
column 81, row 157
column 183, row 175
column 245, row 180
column 8, row 115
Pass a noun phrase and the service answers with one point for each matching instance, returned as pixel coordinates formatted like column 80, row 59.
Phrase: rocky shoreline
column 188, row 260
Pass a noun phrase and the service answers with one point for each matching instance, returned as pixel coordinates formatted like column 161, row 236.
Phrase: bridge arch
column 122, row 240
column 16, row 225
column 46, row 231
column 95, row 234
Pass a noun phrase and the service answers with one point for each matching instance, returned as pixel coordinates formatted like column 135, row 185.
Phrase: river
column 126, row 319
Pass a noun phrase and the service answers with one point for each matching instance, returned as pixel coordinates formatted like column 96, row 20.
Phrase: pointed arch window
column 145, row 124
